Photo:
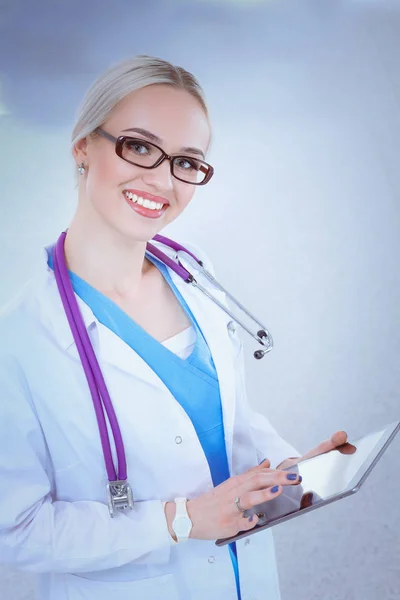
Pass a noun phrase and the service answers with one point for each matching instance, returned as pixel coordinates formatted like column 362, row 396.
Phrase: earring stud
column 81, row 168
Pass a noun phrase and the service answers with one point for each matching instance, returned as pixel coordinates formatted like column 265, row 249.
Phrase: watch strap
column 181, row 513
column 172, row 541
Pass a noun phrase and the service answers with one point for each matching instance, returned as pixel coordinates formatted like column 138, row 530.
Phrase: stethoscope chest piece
column 119, row 496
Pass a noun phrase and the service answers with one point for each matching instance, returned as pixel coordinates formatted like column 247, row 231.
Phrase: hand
column 337, row 439
column 215, row 515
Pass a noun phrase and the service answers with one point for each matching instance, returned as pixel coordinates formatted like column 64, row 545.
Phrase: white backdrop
column 302, row 219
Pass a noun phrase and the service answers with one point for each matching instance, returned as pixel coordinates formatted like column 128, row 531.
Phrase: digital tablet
column 326, row 478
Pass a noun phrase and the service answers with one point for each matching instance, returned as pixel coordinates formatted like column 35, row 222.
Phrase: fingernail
column 275, row 489
column 291, row 476
column 300, row 478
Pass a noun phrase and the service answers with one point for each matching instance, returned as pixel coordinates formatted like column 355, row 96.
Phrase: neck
column 108, row 261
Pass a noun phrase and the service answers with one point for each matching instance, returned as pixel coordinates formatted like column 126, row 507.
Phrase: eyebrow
column 154, row 138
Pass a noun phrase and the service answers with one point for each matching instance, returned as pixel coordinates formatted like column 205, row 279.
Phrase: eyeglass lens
column 143, row 153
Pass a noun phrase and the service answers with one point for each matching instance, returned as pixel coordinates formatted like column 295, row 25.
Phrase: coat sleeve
column 268, row 442
column 41, row 534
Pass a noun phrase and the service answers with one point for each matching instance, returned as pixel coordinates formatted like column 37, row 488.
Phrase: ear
column 79, row 151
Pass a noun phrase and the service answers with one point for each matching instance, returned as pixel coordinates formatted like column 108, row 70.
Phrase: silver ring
column 242, row 510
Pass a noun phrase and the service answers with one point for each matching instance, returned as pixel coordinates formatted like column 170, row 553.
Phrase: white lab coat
column 54, row 520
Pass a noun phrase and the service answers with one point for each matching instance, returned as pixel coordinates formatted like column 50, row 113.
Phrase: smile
column 150, row 204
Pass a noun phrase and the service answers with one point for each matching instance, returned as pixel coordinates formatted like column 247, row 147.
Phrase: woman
column 172, row 364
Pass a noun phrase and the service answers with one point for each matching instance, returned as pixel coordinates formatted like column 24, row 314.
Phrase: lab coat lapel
column 114, row 351
column 108, row 347
column 213, row 323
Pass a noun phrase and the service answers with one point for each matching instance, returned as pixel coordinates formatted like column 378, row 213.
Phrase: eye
column 186, row 164
column 136, row 147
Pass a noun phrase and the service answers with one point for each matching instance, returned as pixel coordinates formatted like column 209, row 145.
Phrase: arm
column 268, row 442
column 41, row 534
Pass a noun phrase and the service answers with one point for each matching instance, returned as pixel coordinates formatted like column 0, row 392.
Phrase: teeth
column 150, row 204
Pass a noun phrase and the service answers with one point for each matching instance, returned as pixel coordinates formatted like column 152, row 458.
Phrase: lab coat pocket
column 151, row 588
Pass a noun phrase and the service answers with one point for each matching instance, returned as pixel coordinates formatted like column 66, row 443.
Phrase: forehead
column 174, row 115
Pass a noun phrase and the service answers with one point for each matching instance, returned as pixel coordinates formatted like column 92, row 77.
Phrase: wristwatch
column 182, row 525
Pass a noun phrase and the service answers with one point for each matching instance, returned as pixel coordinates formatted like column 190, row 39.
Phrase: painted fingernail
column 292, row 476
column 300, row 479
column 275, row 489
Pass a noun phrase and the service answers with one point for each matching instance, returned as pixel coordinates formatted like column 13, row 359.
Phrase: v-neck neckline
column 82, row 283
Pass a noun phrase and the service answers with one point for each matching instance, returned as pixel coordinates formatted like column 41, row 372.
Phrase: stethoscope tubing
column 91, row 368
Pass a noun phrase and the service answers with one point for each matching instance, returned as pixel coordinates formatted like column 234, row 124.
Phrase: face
column 178, row 120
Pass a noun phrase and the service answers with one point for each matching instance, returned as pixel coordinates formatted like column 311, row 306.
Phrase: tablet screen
column 326, row 477
column 334, row 471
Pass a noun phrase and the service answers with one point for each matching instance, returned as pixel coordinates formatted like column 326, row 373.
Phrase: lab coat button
column 178, row 439
column 232, row 326
column 211, row 559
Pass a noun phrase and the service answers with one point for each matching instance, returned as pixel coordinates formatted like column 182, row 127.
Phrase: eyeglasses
column 147, row 155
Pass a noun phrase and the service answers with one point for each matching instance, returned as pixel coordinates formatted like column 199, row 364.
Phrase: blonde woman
column 171, row 362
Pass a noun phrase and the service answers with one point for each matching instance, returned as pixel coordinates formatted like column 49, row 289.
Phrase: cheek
column 104, row 184
column 109, row 171
column 184, row 193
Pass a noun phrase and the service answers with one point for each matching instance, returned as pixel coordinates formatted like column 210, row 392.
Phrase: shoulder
column 201, row 254
column 17, row 318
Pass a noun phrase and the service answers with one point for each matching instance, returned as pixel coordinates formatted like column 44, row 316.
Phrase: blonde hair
column 121, row 79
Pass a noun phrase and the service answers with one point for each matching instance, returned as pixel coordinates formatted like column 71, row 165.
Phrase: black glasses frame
column 119, row 143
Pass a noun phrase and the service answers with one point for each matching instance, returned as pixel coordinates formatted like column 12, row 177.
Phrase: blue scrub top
column 192, row 381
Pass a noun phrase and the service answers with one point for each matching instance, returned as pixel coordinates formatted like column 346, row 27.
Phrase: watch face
column 182, row 525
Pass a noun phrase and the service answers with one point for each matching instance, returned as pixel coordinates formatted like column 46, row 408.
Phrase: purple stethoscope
column 119, row 492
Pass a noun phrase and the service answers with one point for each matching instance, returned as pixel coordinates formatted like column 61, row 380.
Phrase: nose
column 160, row 177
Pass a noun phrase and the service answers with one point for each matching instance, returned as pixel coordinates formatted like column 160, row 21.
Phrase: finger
column 347, row 449
column 240, row 479
column 260, row 481
column 265, row 464
column 258, row 487
column 246, row 524
column 306, row 500
column 253, row 498
column 289, row 462
column 337, row 439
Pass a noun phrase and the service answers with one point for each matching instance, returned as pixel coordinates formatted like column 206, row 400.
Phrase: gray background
column 302, row 219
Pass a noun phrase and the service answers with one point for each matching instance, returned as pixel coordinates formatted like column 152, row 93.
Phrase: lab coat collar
column 53, row 310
